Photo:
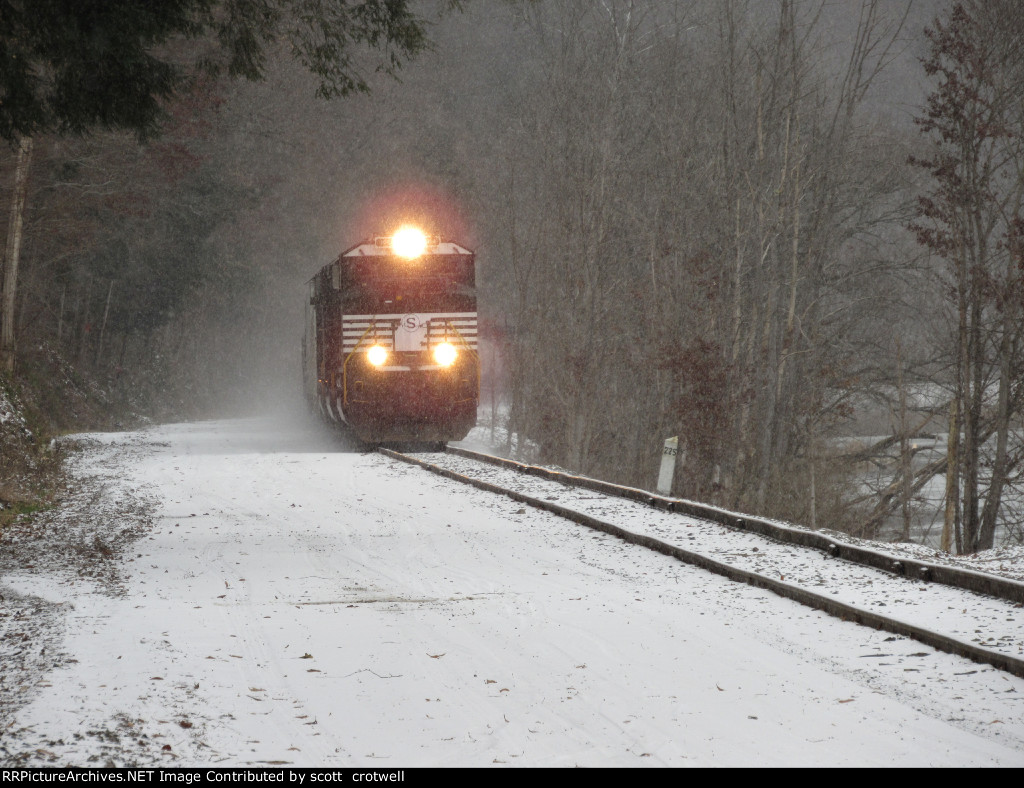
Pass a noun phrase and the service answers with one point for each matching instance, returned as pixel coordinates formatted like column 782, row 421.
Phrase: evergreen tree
column 74, row 66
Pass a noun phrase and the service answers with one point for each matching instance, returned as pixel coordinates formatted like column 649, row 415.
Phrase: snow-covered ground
column 993, row 624
column 250, row 593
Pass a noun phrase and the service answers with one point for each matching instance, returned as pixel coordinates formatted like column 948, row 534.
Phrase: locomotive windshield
column 386, row 284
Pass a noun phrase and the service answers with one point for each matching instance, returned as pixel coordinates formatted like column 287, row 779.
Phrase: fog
column 331, row 174
column 428, row 149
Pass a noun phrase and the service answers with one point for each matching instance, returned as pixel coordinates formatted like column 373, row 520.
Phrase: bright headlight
column 409, row 242
column 377, row 355
column 445, row 354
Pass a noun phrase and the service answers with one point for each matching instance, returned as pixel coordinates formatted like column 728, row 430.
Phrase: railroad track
column 953, row 610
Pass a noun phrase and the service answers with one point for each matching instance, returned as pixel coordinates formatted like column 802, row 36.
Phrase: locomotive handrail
column 448, row 323
column 344, row 364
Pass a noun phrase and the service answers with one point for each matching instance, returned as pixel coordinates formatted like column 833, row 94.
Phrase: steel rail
column 833, row 607
column 979, row 582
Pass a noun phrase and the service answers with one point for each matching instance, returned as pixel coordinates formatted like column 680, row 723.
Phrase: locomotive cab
column 391, row 340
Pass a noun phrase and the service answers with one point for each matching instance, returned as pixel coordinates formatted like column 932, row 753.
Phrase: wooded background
column 788, row 232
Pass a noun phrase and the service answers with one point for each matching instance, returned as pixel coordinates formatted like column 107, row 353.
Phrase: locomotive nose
column 390, row 347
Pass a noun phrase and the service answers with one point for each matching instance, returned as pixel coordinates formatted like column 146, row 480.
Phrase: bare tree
column 694, row 195
column 972, row 219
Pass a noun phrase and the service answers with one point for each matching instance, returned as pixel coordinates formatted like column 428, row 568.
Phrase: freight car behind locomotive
column 390, row 346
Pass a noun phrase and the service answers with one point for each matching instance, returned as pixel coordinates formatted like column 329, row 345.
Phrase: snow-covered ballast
column 390, row 345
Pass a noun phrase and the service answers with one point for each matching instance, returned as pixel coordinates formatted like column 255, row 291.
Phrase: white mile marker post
column 668, row 465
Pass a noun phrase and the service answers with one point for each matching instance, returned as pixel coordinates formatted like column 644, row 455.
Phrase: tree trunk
column 12, row 255
column 1000, row 463
column 952, row 481
column 103, row 325
column 906, row 470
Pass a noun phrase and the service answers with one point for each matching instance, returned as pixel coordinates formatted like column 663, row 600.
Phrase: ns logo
column 412, row 322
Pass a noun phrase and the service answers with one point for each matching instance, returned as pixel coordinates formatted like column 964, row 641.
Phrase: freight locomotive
column 390, row 348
